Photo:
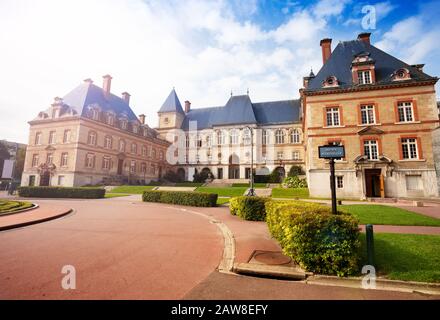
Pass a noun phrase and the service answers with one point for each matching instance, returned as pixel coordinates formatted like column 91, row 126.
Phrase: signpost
column 332, row 153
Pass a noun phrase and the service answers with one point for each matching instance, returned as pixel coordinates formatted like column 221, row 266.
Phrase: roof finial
column 247, row 91
column 311, row 72
column 231, row 92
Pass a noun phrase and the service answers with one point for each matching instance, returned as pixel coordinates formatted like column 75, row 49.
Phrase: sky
column 204, row 49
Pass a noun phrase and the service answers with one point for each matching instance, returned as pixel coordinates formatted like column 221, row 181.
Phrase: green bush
column 61, row 192
column 294, row 182
column 249, row 208
column 295, row 171
column 274, row 177
column 314, row 238
column 196, row 199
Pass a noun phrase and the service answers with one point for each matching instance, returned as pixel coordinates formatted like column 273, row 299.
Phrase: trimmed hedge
column 314, row 238
column 196, row 199
column 61, row 192
column 249, row 208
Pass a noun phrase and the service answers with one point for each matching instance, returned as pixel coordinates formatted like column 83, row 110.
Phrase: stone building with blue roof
column 91, row 136
column 382, row 110
column 224, row 140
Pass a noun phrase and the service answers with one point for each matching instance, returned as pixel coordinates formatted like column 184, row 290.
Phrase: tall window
column 295, row 155
column 280, row 155
column 409, row 148
column 133, row 166
column 134, row 148
column 64, row 158
column 108, row 142
column 406, row 111
column 153, row 153
column 143, row 167
column 332, row 116
column 121, row 145
column 144, row 151
column 91, row 139
column 279, row 136
column 367, row 114
column 135, row 129
column 247, row 136
column 220, row 137
column 49, row 159
column 38, row 138
column 199, row 141
column 187, row 141
column 294, row 136
column 265, row 137
column 371, row 149
column 110, row 119
column 233, row 136
column 106, row 163
column 35, row 160
column 364, row 77
column 52, row 137
column 208, row 140
column 340, row 182
column 95, row 114
column 66, row 136
column 124, row 124
column 90, row 160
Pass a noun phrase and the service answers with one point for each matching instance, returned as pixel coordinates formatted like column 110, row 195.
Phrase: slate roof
column 339, row 65
column 240, row 110
column 87, row 94
column 172, row 104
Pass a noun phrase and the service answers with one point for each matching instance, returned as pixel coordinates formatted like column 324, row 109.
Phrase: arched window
column 187, row 141
column 233, row 136
column 294, row 136
column 220, row 137
column 279, row 136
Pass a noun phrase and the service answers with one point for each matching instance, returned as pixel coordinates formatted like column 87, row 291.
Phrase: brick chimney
column 326, row 46
column 142, row 118
column 126, row 97
column 107, row 83
column 418, row 66
column 365, row 37
column 187, row 106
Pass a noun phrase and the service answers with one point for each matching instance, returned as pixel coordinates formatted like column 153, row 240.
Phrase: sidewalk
column 44, row 212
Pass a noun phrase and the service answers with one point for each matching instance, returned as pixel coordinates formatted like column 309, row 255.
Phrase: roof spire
column 311, row 72
column 231, row 93
column 247, row 91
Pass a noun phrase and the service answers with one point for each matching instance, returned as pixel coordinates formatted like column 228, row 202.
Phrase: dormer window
column 364, row 77
column 110, row 119
column 401, row 74
column 135, row 128
column 331, row 81
column 124, row 124
column 95, row 114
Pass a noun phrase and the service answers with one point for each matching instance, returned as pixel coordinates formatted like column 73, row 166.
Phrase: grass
column 247, row 185
column 131, row 189
column 387, row 215
column 222, row 201
column 7, row 206
column 224, row 192
column 302, row 193
column 115, row 195
column 189, row 184
column 408, row 257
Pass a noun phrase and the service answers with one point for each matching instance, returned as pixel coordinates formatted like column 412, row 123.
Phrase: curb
column 34, row 206
column 28, row 223
column 269, row 271
column 381, row 284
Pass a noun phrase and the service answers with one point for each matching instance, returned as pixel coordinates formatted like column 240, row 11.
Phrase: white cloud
column 326, row 8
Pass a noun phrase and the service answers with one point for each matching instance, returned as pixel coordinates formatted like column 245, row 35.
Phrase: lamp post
column 251, row 191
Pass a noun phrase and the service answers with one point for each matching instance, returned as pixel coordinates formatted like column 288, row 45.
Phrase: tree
column 4, row 155
column 295, row 171
column 19, row 163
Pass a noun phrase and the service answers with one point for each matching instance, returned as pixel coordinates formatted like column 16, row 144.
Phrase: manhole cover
column 271, row 258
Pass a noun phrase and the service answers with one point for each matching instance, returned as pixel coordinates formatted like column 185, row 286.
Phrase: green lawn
column 408, row 257
column 224, row 192
column 246, row 185
column 379, row 214
column 189, row 184
column 222, row 200
column 7, row 206
column 131, row 189
column 302, row 193
column 115, row 195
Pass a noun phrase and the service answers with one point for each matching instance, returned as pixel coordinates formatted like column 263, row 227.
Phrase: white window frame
column 332, row 117
column 265, row 137
column 52, row 137
column 368, row 113
column 64, row 159
column 295, row 136
column 280, row 136
column 340, row 182
column 364, row 77
column 405, row 111
column 233, row 136
column 92, row 138
column 410, row 150
column 371, row 149
column 38, row 136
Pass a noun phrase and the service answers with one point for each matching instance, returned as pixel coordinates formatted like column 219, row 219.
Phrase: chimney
column 326, row 46
column 187, row 106
column 365, row 37
column 88, row 80
column 142, row 118
column 107, row 83
column 126, row 97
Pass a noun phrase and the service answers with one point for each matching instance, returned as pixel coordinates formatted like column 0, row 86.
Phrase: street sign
column 331, row 152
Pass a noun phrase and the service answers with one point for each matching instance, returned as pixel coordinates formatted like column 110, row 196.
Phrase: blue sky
column 203, row 48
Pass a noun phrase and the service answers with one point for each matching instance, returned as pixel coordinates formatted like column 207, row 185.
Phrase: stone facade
column 436, row 152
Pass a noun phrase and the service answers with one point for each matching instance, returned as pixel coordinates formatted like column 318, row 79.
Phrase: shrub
column 295, row 171
column 196, row 199
column 61, row 192
column 294, row 182
column 172, row 176
column 314, row 238
column 249, row 208
column 274, row 177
